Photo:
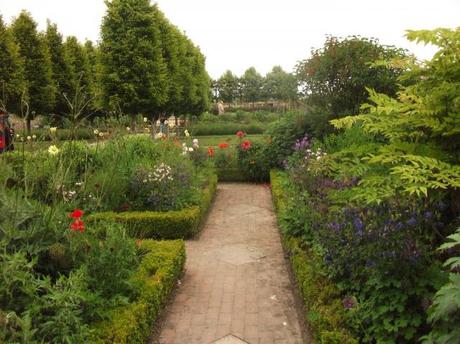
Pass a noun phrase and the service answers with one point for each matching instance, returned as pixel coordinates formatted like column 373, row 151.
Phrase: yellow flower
column 186, row 133
column 29, row 138
column 96, row 132
column 53, row 150
column 53, row 130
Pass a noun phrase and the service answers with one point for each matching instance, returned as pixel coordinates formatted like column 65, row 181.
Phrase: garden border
column 324, row 311
column 180, row 224
column 154, row 281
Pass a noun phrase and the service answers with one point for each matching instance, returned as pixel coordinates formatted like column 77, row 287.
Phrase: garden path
column 236, row 287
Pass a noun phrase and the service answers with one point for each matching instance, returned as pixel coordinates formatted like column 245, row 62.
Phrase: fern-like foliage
column 420, row 128
column 445, row 310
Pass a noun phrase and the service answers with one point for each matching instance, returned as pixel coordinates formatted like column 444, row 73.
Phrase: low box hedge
column 180, row 224
column 230, row 175
column 325, row 314
column 154, row 280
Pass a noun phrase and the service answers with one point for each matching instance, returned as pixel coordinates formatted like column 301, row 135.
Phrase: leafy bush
column 445, row 310
column 253, row 162
column 154, row 280
column 182, row 223
column 200, row 129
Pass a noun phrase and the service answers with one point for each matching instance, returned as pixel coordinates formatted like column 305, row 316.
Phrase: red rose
column 246, row 145
column 76, row 214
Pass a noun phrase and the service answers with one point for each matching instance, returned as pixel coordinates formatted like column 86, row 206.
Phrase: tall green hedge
column 160, row 268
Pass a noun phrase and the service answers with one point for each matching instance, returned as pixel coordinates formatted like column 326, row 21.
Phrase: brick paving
column 236, row 287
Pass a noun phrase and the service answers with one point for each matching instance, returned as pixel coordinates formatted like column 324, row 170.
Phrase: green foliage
column 134, row 74
column 335, row 77
column 228, row 87
column 251, row 85
column 419, row 128
column 12, row 82
column 254, row 163
column 154, row 280
column 280, row 85
column 283, row 135
column 200, row 128
column 444, row 312
column 60, row 67
column 40, row 89
column 325, row 314
column 164, row 225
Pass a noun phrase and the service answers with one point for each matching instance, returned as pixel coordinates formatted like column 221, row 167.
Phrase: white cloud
column 236, row 34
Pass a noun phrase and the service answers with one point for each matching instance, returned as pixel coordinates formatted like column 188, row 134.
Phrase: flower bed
column 178, row 224
column 325, row 313
column 154, row 280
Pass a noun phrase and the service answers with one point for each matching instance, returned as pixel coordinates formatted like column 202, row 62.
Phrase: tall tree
column 280, row 85
column 40, row 89
column 63, row 78
column 251, row 84
column 12, row 82
column 80, row 67
column 134, row 73
column 228, row 87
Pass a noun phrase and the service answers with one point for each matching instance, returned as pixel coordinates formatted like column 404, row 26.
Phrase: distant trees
column 252, row 86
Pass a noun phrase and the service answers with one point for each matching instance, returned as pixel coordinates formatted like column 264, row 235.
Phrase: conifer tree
column 134, row 73
column 12, row 82
column 40, row 89
column 63, row 78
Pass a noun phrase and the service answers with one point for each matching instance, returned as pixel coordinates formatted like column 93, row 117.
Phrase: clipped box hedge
column 180, row 224
column 154, row 280
column 325, row 314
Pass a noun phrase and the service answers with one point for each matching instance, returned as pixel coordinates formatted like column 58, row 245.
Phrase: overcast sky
column 237, row 34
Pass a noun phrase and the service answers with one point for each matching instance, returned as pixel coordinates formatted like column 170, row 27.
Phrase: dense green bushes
column 160, row 267
column 226, row 128
column 182, row 223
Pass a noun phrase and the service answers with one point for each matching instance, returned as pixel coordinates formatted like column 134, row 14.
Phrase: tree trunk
column 28, row 126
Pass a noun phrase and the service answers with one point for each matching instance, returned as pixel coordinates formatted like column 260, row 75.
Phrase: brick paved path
column 236, row 287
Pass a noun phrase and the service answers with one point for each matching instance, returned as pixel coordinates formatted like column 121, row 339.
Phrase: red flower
column 77, row 226
column 246, row 145
column 240, row 134
column 223, row 145
column 76, row 214
column 211, row 151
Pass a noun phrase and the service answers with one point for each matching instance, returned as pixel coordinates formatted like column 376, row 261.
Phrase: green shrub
column 283, row 135
column 154, row 280
column 253, row 162
column 177, row 224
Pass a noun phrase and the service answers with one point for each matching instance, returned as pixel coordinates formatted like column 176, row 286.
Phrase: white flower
column 128, row 128
column 53, row 150
column 166, row 122
column 159, row 135
column 96, row 132
column 29, row 138
column 186, row 133
column 34, row 137
column 101, row 134
column 53, row 130
column 172, row 124
column 318, row 157
column 17, row 136
column 184, row 144
column 146, row 119
column 190, row 149
column 195, row 141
